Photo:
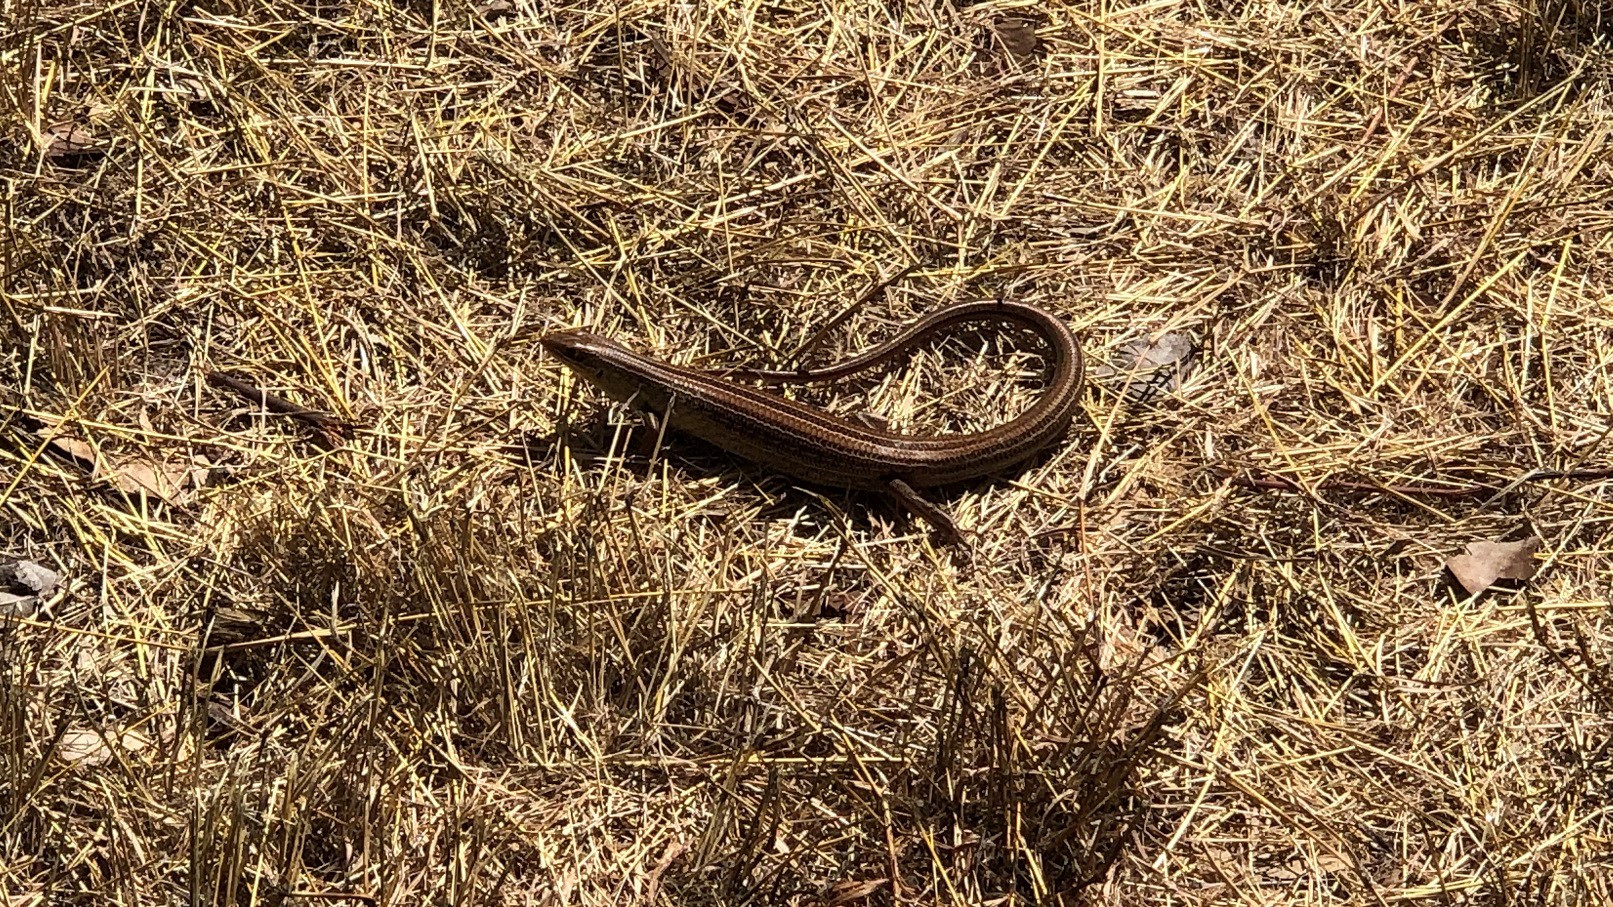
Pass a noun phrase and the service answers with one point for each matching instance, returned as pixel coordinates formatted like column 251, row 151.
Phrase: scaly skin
column 808, row 444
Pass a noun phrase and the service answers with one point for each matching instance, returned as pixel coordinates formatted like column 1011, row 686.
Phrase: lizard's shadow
column 640, row 447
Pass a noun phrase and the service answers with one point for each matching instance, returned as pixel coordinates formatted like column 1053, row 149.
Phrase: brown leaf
column 1486, row 562
column 65, row 140
column 171, row 482
column 79, row 451
column 1018, row 35
column 168, row 481
column 84, row 747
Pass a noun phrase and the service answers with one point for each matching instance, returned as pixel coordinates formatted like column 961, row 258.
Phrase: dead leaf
column 74, row 449
column 135, row 741
column 83, row 747
column 22, row 584
column 1018, row 35
column 17, row 605
column 67, row 140
column 1486, row 562
column 171, row 482
column 1143, row 368
column 28, row 578
column 168, row 481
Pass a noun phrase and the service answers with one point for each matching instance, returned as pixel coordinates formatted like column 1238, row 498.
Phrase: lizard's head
column 598, row 360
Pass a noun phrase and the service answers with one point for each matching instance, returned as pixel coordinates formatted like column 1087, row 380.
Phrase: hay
column 500, row 644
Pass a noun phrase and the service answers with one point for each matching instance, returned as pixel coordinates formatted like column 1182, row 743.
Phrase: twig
column 324, row 422
column 1382, row 112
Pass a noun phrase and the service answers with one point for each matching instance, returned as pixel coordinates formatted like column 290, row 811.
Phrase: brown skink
column 807, row 443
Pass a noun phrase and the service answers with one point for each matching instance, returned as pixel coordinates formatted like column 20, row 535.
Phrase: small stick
column 324, row 422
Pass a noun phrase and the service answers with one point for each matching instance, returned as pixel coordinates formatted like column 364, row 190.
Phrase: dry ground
column 496, row 646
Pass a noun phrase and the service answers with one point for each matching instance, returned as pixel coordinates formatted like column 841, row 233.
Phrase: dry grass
column 501, row 648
